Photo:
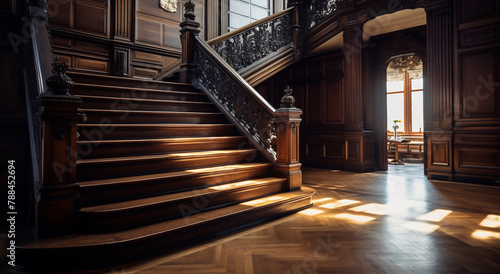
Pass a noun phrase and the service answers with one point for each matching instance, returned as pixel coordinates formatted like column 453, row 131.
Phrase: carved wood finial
column 189, row 11
column 59, row 82
column 288, row 101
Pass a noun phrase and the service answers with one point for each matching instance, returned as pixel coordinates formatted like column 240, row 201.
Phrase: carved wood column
column 122, row 36
column 123, row 15
column 58, row 199
column 288, row 122
column 438, row 109
column 296, row 29
column 353, row 42
column 189, row 29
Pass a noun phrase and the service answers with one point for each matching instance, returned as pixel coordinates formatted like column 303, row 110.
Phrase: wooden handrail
column 249, row 26
column 249, row 90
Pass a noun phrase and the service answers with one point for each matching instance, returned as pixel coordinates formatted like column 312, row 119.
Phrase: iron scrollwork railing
column 243, row 47
column 317, row 10
column 237, row 97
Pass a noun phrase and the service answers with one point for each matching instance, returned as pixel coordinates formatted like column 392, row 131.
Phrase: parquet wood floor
column 380, row 222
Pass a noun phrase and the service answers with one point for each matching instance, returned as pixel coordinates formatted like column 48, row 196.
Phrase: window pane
column 417, row 111
column 395, row 86
column 395, row 110
column 258, row 12
column 417, row 84
column 262, row 3
column 237, row 21
column 240, row 7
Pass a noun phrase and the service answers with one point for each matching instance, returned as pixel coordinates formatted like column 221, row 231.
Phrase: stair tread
column 173, row 174
column 156, row 125
column 165, row 227
column 150, row 112
column 119, row 78
column 144, row 100
column 168, row 198
column 181, row 92
column 179, row 155
column 165, row 140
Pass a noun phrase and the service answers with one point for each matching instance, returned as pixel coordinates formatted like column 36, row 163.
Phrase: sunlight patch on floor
column 311, row 212
column 373, row 208
column 420, row 227
column 436, row 215
column 356, row 218
column 484, row 234
column 491, row 220
column 339, row 203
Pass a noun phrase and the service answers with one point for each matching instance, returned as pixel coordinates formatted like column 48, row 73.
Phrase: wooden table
column 396, row 143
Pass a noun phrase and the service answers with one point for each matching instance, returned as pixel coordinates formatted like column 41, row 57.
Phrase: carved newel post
column 57, row 196
column 189, row 29
column 288, row 121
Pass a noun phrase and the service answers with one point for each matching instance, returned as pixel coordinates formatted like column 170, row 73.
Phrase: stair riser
column 106, row 222
column 151, row 118
column 97, row 150
column 101, row 195
column 128, row 82
column 107, row 131
column 126, row 252
column 124, row 104
column 110, row 170
column 139, row 94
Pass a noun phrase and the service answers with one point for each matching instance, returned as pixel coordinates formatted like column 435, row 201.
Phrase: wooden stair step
column 109, row 131
column 118, row 189
column 79, row 252
column 123, row 103
column 105, row 148
column 143, row 211
column 135, row 165
column 96, row 79
column 140, row 116
column 137, row 93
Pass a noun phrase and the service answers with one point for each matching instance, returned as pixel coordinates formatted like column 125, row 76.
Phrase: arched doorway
column 405, row 108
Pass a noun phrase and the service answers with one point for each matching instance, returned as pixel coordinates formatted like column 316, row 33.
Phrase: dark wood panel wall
column 135, row 38
column 438, row 129
column 476, row 91
column 462, row 130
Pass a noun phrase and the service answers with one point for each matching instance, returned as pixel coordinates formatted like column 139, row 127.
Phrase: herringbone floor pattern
column 381, row 222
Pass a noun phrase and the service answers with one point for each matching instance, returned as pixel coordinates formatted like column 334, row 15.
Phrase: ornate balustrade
column 249, row 110
column 318, row 10
column 260, row 49
column 274, row 132
column 245, row 46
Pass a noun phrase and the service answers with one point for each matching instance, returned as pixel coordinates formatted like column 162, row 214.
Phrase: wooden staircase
column 159, row 167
